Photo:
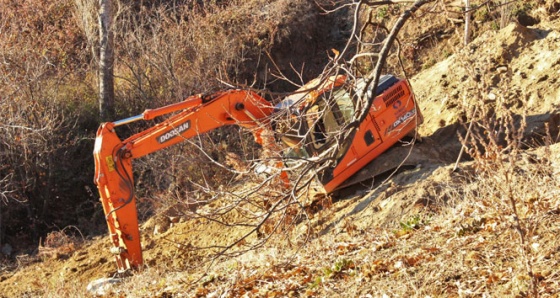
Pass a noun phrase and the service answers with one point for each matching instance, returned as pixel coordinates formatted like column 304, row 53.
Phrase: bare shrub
column 509, row 190
column 85, row 12
column 58, row 243
column 43, row 151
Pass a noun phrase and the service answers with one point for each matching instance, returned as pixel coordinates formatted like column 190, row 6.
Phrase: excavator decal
column 110, row 163
column 393, row 96
column 174, row 132
column 402, row 119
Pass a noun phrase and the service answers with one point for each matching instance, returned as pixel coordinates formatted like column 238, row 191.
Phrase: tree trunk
column 106, row 60
column 467, row 22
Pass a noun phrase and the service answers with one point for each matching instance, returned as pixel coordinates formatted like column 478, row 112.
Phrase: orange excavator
column 318, row 113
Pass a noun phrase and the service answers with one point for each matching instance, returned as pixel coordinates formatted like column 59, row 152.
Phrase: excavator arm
column 113, row 157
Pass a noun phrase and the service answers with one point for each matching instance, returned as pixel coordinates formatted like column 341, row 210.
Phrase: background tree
column 106, row 61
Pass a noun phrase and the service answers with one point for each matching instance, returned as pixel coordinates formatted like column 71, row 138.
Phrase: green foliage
column 522, row 8
column 482, row 14
column 413, row 223
column 471, row 228
column 336, row 270
column 429, row 63
column 382, row 12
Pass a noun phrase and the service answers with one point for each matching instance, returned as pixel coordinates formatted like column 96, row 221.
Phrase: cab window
column 327, row 116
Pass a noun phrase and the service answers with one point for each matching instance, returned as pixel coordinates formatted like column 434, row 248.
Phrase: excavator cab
column 318, row 120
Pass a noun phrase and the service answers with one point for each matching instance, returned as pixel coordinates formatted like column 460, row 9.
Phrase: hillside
column 488, row 228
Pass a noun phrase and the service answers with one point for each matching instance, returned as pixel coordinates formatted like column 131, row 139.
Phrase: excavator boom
column 113, row 157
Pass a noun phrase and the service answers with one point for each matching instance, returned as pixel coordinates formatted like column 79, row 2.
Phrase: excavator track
column 403, row 155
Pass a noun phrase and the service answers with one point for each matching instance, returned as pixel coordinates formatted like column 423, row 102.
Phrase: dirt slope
column 426, row 232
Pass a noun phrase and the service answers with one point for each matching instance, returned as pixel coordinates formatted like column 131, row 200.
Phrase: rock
column 7, row 249
column 102, row 286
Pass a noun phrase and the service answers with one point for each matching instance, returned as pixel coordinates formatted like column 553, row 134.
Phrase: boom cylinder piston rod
column 150, row 114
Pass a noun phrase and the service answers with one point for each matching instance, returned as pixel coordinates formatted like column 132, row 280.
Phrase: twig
column 466, row 138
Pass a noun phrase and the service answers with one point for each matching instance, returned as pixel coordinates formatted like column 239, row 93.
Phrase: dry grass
column 468, row 242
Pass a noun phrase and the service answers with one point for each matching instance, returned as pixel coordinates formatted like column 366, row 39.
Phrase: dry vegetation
column 487, row 228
